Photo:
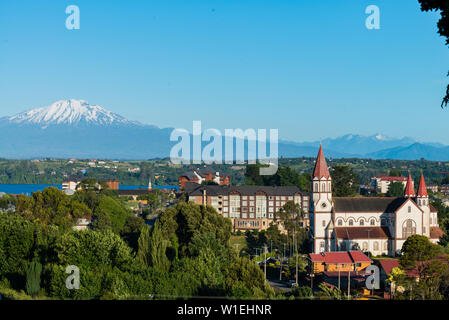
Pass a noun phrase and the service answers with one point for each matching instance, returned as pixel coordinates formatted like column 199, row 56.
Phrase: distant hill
column 75, row 128
column 414, row 151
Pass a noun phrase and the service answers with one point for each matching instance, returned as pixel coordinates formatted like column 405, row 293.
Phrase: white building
column 378, row 225
column 382, row 182
column 70, row 184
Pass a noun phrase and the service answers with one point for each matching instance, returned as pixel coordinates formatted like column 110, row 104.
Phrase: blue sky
column 309, row 68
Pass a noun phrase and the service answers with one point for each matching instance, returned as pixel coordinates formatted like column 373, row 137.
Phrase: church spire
column 321, row 170
column 409, row 189
column 422, row 189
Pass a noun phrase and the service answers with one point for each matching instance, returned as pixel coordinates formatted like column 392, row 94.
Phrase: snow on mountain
column 70, row 112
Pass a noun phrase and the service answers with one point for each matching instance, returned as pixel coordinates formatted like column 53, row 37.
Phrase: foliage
column 344, row 181
column 443, row 26
column 328, row 293
column 394, row 173
column 33, row 278
column 395, row 189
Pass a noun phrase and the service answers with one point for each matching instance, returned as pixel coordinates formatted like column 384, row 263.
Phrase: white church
column 379, row 225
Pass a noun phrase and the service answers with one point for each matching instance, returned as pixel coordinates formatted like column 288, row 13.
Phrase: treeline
column 186, row 253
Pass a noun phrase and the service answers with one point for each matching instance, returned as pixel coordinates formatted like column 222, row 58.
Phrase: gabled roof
column 367, row 204
column 321, row 170
column 371, row 232
column 340, row 257
column 216, row 190
column 436, row 233
column 388, row 178
column 388, row 264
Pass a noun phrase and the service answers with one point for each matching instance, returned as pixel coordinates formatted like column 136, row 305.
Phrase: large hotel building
column 249, row 207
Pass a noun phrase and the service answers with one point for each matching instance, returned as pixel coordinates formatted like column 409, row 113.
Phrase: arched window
column 329, row 187
column 365, row 246
column 351, row 222
column 324, row 187
column 362, row 222
column 409, row 209
column 316, row 187
column 340, row 222
column 373, row 222
column 376, row 246
column 408, row 228
column 386, row 245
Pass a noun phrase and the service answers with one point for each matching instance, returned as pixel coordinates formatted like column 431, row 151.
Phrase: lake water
column 28, row 188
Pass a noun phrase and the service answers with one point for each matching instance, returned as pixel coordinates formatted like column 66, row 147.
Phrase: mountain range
column 75, row 128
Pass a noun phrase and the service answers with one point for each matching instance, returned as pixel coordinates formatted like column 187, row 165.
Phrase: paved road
column 279, row 285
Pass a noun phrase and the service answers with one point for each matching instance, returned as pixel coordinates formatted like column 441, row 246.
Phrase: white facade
column 378, row 225
column 69, row 185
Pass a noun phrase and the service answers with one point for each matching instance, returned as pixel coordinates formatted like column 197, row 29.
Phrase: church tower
column 321, row 206
column 422, row 199
column 409, row 191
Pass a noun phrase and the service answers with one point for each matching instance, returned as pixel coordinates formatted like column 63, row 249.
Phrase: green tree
column 158, row 249
column 394, row 173
column 395, row 189
column 443, row 26
column 33, row 278
column 416, row 251
column 344, row 181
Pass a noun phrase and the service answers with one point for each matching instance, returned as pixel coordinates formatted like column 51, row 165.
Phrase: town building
column 382, row 182
column 379, row 225
column 249, row 207
column 432, row 188
column 444, row 189
column 204, row 174
column 69, row 185
column 338, row 261
column 113, row 184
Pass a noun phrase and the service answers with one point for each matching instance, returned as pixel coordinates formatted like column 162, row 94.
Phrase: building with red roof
column 338, row 261
column 379, row 225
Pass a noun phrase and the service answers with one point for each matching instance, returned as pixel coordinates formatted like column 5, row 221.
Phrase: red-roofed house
column 382, row 182
column 338, row 261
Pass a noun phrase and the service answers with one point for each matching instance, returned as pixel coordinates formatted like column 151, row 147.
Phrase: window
column 373, row 222
column 386, row 245
column 340, row 222
column 324, row 223
column 351, row 222
column 324, row 187
column 409, row 209
column 362, row 222
column 365, row 246
column 408, row 228
column 376, row 246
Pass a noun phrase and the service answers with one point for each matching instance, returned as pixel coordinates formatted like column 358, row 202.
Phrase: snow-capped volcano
column 71, row 112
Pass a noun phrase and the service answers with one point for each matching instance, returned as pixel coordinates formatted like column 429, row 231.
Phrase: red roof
column 436, row 233
column 422, row 189
column 409, row 189
column 370, row 232
column 389, row 264
column 340, row 257
column 321, row 170
column 388, row 178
